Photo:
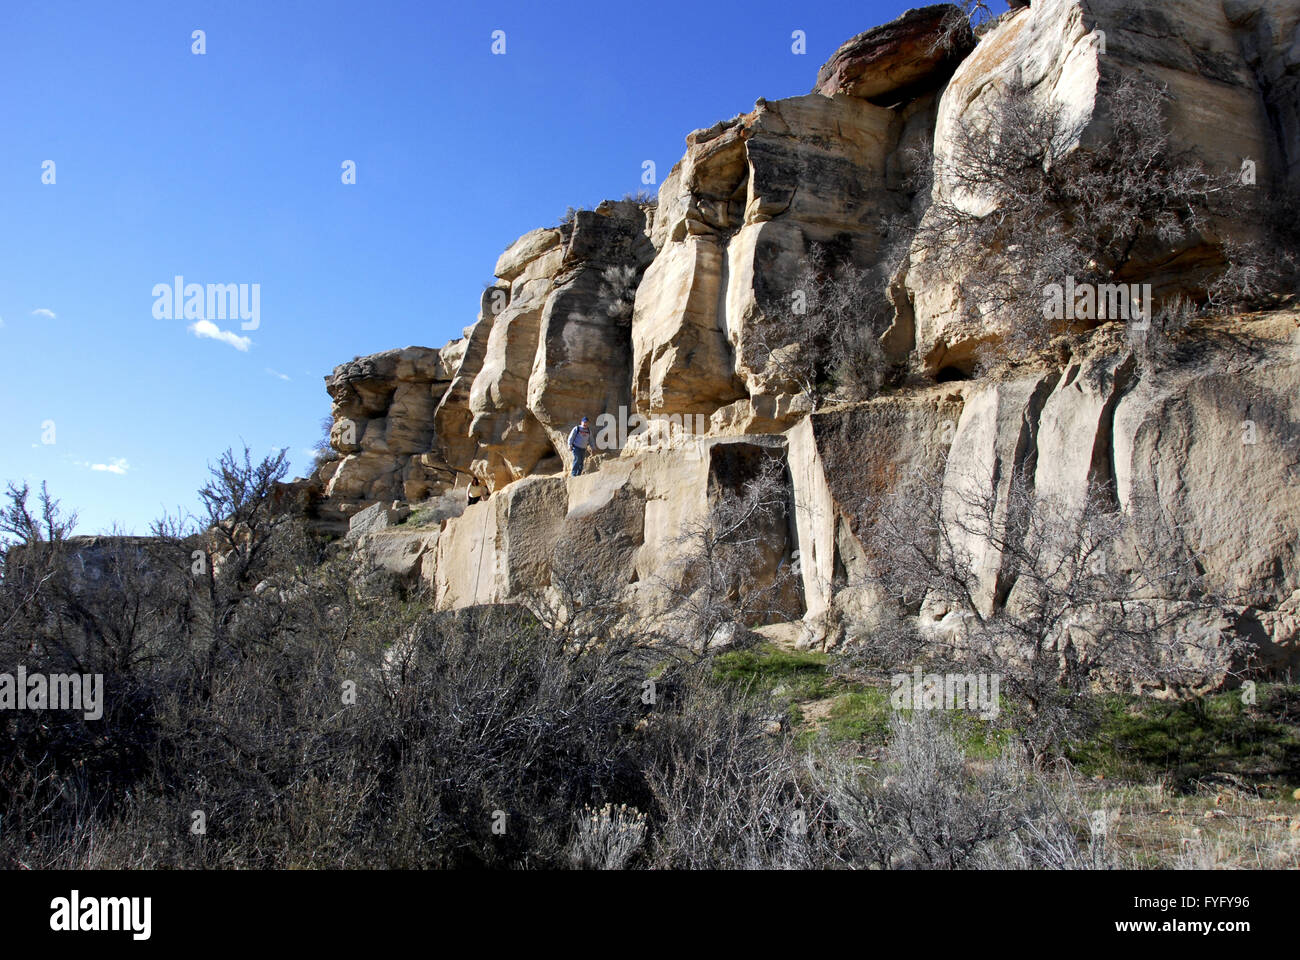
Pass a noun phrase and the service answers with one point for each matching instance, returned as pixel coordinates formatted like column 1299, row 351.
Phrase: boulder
column 376, row 517
column 899, row 60
column 394, row 556
column 500, row 548
column 1069, row 54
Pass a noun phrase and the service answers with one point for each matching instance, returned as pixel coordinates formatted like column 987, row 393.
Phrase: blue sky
column 226, row 168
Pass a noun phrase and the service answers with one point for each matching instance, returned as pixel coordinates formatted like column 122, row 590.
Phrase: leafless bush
column 923, row 807
column 1054, row 597
column 825, row 334
column 1154, row 341
column 927, row 806
column 324, row 451
column 966, row 15
column 1058, row 829
column 728, row 795
column 719, row 576
column 336, row 729
column 28, row 569
column 1266, row 266
column 1025, row 207
column 585, row 601
column 618, row 292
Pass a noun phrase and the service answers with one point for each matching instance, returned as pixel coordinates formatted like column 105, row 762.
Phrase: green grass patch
column 981, row 739
column 859, row 715
column 862, row 715
column 766, row 668
column 1142, row 739
column 418, row 517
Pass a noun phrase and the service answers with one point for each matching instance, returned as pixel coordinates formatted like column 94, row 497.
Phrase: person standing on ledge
column 477, row 491
column 579, row 443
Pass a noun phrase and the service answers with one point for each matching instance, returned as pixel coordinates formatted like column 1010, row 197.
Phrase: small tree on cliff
column 324, row 451
column 713, row 578
column 965, row 16
column 823, row 335
column 1024, row 207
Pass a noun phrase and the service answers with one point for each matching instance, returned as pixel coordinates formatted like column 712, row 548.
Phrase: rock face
column 1268, row 36
column 893, row 63
column 582, row 364
column 499, row 549
column 384, row 427
column 1216, row 444
column 656, row 309
column 1231, row 98
column 619, row 530
column 734, row 227
column 559, row 327
column 510, row 441
column 842, row 462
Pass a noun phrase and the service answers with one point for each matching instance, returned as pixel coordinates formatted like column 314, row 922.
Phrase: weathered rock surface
column 405, row 557
column 843, row 462
column 618, row 533
column 376, row 517
column 384, row 425
column 894, row 62
column 582, row 366
column 657, row 310
column 500, row 548
column 1231, row 98
column 452, row 419
column 1216, row 444
column 510, row 442
column 736, row 220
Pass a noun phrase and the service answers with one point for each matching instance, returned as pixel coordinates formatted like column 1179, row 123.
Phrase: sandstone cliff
column 651, row 307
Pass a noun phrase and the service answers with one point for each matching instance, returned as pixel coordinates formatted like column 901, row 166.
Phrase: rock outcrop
column 653, row 309
column 383, row 413
column 895, row 62
column 1231, row 98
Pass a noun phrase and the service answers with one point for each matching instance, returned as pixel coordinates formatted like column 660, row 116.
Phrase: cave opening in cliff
column 951, row 374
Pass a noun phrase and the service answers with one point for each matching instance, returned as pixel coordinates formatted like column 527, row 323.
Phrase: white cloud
column 277, row 373
column 206, row 328
column 117, row 465
column 2, row 321
column 43, row 312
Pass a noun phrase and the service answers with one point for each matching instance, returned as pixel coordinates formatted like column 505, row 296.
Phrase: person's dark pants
column 579, row 455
